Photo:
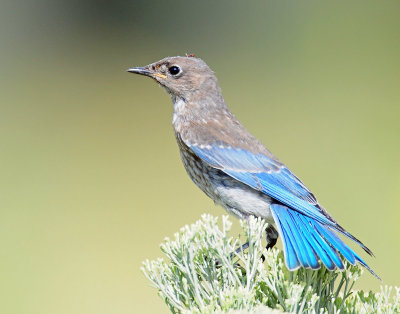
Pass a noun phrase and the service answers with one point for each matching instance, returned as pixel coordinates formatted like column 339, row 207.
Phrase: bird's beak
column 145, row 71
column 140, row 70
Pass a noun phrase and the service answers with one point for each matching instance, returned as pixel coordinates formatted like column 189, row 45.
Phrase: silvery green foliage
column 369, row 302
column 202, row 274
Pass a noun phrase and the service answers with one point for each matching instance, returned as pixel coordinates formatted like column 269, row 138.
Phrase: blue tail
column 307, row 241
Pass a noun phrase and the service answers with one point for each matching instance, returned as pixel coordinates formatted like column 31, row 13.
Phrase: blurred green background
column 91, row 179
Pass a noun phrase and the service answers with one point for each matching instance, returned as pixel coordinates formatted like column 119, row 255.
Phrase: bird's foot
column 271, row 236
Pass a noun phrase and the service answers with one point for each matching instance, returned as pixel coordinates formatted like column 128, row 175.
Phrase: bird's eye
column 174, row 70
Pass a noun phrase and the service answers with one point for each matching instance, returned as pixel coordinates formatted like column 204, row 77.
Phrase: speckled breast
column 200, row 173
column 236, row 197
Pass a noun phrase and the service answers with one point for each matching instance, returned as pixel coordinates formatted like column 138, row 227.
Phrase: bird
column 238, row 172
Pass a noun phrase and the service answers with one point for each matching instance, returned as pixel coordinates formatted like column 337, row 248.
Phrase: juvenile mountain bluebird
column 235, row 170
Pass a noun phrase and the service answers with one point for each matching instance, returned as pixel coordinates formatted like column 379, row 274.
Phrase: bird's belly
column 237, row 198
column 244, row 199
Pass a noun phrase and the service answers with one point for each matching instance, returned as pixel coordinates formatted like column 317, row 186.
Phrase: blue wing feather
column 291, row 259
column 264, row 174
column 325, row 252
column 293, row 238
column 303, row 224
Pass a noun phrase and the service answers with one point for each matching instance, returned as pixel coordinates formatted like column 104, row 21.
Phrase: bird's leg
column 271, row 236
column 240, row 249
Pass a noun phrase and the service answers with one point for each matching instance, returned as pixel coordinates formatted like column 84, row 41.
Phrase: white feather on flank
column 244, row 200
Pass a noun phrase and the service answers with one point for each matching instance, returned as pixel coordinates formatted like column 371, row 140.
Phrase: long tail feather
column 305, row 240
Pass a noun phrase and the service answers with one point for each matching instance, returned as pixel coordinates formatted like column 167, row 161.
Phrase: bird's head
column 180, row 76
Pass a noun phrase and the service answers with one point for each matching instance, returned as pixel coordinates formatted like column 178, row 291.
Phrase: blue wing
column 267, row 175
column 304, row 225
